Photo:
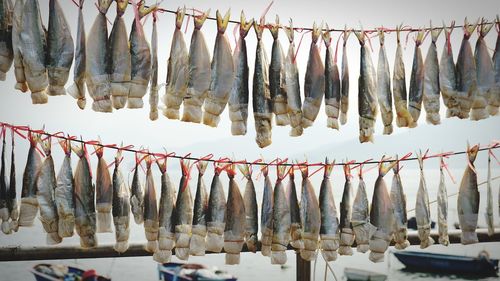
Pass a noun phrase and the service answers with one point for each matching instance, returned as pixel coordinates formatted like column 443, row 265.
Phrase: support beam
column 303, row 268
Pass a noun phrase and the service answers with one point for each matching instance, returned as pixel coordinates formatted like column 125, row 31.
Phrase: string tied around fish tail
column 281, row 170
column 360, row 167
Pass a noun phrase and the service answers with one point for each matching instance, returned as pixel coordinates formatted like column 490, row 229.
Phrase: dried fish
column 151, row 223
column 422, row 209
column 64, row 193
column 222, row 74
column 216, row 215
column 60, row 50
column 119, row 58
column 398, row 199
column 381, row 216
column 4, row 210
column 177, row 76
column 266, row 219
column 314, row 81
column 344, row 97
column 466, row 73
column 403, row 117
column 296, row 224
column 234, row 232
column 104, row 193
column 345, row 227
column 17, row 27
column 329, row 231
column 494, row 101
column 384, row 94
column 442, row 206
column 12, row 204
column 46, row 185
column 448, row 76
column 137, row 194
column 238, row 99
column 183, row 214
column 431, row 81
column 6, row 51
column 77, row 89
column 85, row 215
column 415, row 95
column 199, row 72
column 292, row 85
column 251, row 209
column 310, row 217
column 121, row 207
column 489, row 200
column 360, row 219
column 261, row 96
column 485, row 74
column 277, row 86
column 199, row 230
column 281, row 219
column 29, row 202
column 468, row 200
column 332, row 84
column 153, row 91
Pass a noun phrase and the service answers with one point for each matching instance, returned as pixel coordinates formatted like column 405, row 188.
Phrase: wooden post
column 303, row 271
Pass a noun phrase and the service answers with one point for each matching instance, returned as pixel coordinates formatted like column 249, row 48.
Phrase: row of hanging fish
column 72, row 200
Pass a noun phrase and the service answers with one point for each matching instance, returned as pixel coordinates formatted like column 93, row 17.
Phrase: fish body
column 403, row 117
column 234, row 231
column 422, row 211
column 277, row 79
column 332, row 84
column 296, row 224
column 177, row 76
column 65, row 193
column 216, row 215
column 266, row 219
column 251, row 210
column 17, row 27
column 12, row 204
column 344, row 79
column 442, row 206
column 448, row 77
column 222, row 75
column 466, row 74
column 153, row 91
column 77, row 89
column 183, row 214
column 384, row 94
column 281, row 220
column 314, row 82
column 310, row 217
column 494, row 101
column 398, row 199
column 151, row 223
column 329, row 231
column 468, row 200
column 360, row 219
column 29, row 202
column 4, row 210
column 121, row 208
column 415, row 95
column 431, row 81
column 485, row 75
column 292, row 85
column 199, row 230
column 104, row 193
column 6, row 51
column 489, row 201
column 346, row 230
column 137, row 195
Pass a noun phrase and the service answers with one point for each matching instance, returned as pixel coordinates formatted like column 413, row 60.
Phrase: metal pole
column 303, row 271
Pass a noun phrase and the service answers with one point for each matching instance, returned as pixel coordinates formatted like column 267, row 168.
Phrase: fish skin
column 199, row 73
column 314, row 82
column 489, row 201
column 121, row 208
column 64, row 193
column 398, row 199
column 29, row 202
column 329, row 230
column 199, row 230
column 153, row 91
column 17, row 27
column 166, row 233
column 466, row 74
column 344, row 79
column 137, row 194
column 4, row 210
column 384, row 94
column 422, row 210
column 96, row 75
column 292, row 84
column 104, row 193
column 296, row 224
column 251, row 210
column 77, row 89
column 261, row 96
column 442, row 206
column 216, row 215
column 403, row 117
column 183, row 214
column 151, row 223
column 60, row 50
column 332, row 84
column 494, row 101
column 415, row 94
column 222, row 76
column 345, row 227
column 448, row 77
column 177, row 76
column 431, row 81
column 485, row 75
column 234, row 231
column 266, row 219
column 277, row 80
column 281, row 220
column 119, row 58
column 310, row 217
column 381, row 217
column 12, row 204
column 6, row 50
column 367, row 97
column 360, row 219
column 468, row 200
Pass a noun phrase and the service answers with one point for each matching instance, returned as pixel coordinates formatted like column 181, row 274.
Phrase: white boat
column 363, row 275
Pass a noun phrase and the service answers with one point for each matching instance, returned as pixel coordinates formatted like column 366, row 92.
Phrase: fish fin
column 316, row 32
column 202, row 166
column 104, row 5
column 121, row 5
column 275, row 28
column 245, row 25
column 326, row 36
column 179, row 17
column 328, row 167
column 258, row 29
column 222, row 21
column 485, row 27
column 289, row 31
column 435, row 32
column 361, row 37
column 144, row 11
column 469, row 28
column 200, row 20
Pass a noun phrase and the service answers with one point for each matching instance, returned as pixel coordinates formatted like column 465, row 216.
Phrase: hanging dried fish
column 329, row 231
column 183, row 214
column 104, row 192
column 442, row 206
column 216, row 215
column 199, row 72
column 64, row 193
column 381, row 216
column 119, row 58
column 11, row 193
column 281, row 220
column 238, row 99
column 121, row 207
column 360, row 219
column 234, row 232
column 468, row 200
column 431, row 81
column 310, row 217
column 199, row 230
column 422, row 210
column 17, row 27
column 489, row 200
column 46, row 185
column 403, row 117
column 29, row 202
column 4, row 210
column 485, row 74
column 151, row 223
column 153, row 91
column 277, row 86
column 177, row 76
column 344, row 97
column 251, row 209
column 60, row 50
column 314, row 81
column 77, row 89
column 384, row 94
column 261, row 96
column 6, row 51
column 296, row 224
column 415, row 95
column 85, row 216
column 332, row 83
column 166, row 233
column 137, row 193
column 398, row 199
column 448, row 76
column 222, row 74
column 292, row 85
column 494, row 101
column 345, row 227
column 367, row 96
column 466, row 73
column 266, row 219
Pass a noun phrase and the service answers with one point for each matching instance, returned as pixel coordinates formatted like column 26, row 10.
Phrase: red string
column 445, row 166
column 298, row 46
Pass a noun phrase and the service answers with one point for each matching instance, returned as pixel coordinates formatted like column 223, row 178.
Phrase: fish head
column 289, row 31
column 245, row 25
column 326, row 36
column 222, row 22
column 179, row 17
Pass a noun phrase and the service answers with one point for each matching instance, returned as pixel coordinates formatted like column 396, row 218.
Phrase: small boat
column 355, row 274
column 191, row 272
column 60, row 272
column 481, row 265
